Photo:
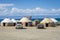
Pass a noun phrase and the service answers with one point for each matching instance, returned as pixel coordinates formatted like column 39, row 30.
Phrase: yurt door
column 47, row 25
column 3, row 24
column 26, row 24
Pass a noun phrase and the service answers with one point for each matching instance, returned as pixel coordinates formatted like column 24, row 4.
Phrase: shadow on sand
column 41, row 28
column 21, row 28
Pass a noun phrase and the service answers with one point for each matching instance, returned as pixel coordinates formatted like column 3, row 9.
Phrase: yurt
column 26, row 21
column 14, row 22
column 35, row 22
column 6, row 22
column 47, row 22
column 55, row 21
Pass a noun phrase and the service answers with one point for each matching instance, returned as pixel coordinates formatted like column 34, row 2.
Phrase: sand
column 31, row 33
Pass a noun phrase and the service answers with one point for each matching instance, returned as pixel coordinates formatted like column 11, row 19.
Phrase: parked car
column 40, row 26
column 19, row 26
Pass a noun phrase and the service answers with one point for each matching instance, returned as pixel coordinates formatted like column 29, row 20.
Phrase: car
column 40, row 26
column 19, row 26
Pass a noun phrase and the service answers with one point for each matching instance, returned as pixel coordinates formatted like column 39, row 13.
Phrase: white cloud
column 20, row 10
column 6, row 4
column 4, row 10
column 35, row 11
column 53, row 10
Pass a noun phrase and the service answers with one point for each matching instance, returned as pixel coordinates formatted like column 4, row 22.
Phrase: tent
column 35, row 22
column 47, row 22
column 8, row 22
column 5, row 22
column 14, row 22
column 55, row 21
column 25, row 21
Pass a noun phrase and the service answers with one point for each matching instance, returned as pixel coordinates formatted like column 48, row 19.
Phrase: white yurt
column 25, row 21
column 14, row 22
column 47, row 22
column 6, row 22
column 55, row 21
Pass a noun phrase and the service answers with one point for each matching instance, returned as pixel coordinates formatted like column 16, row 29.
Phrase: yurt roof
column 25, row 19
column 36, row 20
column 54, row 20
column 6, row 20
column 46, row 20
column 13, row 20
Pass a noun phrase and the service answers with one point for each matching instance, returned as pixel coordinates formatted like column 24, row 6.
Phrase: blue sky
column 33, row 3
column 29, row 7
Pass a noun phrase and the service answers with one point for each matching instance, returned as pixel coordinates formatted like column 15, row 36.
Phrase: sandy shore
column 31, row 33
